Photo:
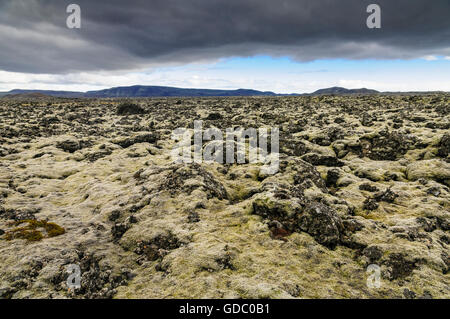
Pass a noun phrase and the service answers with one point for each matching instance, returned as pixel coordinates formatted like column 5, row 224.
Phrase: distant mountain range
column 40, row 93
column 144, row 91
column 165, row 91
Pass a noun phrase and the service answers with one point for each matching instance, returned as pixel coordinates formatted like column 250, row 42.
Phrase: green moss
column 239, row 193
column 24, row 233
column 31, row 233
column 54, row 230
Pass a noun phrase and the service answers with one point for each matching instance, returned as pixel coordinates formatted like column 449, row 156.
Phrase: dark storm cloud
column 119, row 34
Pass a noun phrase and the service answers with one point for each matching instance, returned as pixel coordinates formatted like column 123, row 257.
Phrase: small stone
column 367, row 187
column 69, row 145
column 409, row 294
column 426, row 295
column 21, row 189
column 193, row 217
column 373, row 253
column 114, row 215
column 332, row 177
column 387, row 196
column 435, row 191
column 370, row 204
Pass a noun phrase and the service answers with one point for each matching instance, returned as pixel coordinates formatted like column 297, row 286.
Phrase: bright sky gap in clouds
column 291, row 46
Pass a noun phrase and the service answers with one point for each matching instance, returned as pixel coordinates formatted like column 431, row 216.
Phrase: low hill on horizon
column 340, row 90
column 67, row 94
column 166, row 91
column 142, row 91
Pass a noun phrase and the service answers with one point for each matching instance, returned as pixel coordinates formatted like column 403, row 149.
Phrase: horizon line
column 217, row 89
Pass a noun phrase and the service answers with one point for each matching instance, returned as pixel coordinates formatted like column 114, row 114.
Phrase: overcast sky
column 282, row 46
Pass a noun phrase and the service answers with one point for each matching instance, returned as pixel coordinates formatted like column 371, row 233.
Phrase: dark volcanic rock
column 175, row 181
column 69, row 145
column 367, row 187
column 386, row 146
column 141, row 138
column 157, row 247
column 316, row 159
column 444, row 146
column 119, row 229
column 214, row 116
column 373, row 253
column 193, row 217
column 316, row 219
column 429, row 224
column 293, row 147
column 322, row 223
column 332, row 177
column 129, row 109
column 367, row 120
column 409, row 294
column 387, row 196
column 370, row 204
column 307, row 175
column 19, row 214
column 98, row 281
column 399, row 266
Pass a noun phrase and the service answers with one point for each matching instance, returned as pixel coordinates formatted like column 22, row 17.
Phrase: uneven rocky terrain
column 363, row 180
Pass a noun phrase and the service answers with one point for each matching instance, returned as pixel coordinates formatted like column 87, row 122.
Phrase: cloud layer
column 126, row 35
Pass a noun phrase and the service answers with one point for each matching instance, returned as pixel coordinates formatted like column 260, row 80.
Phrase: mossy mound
column 31, row 232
